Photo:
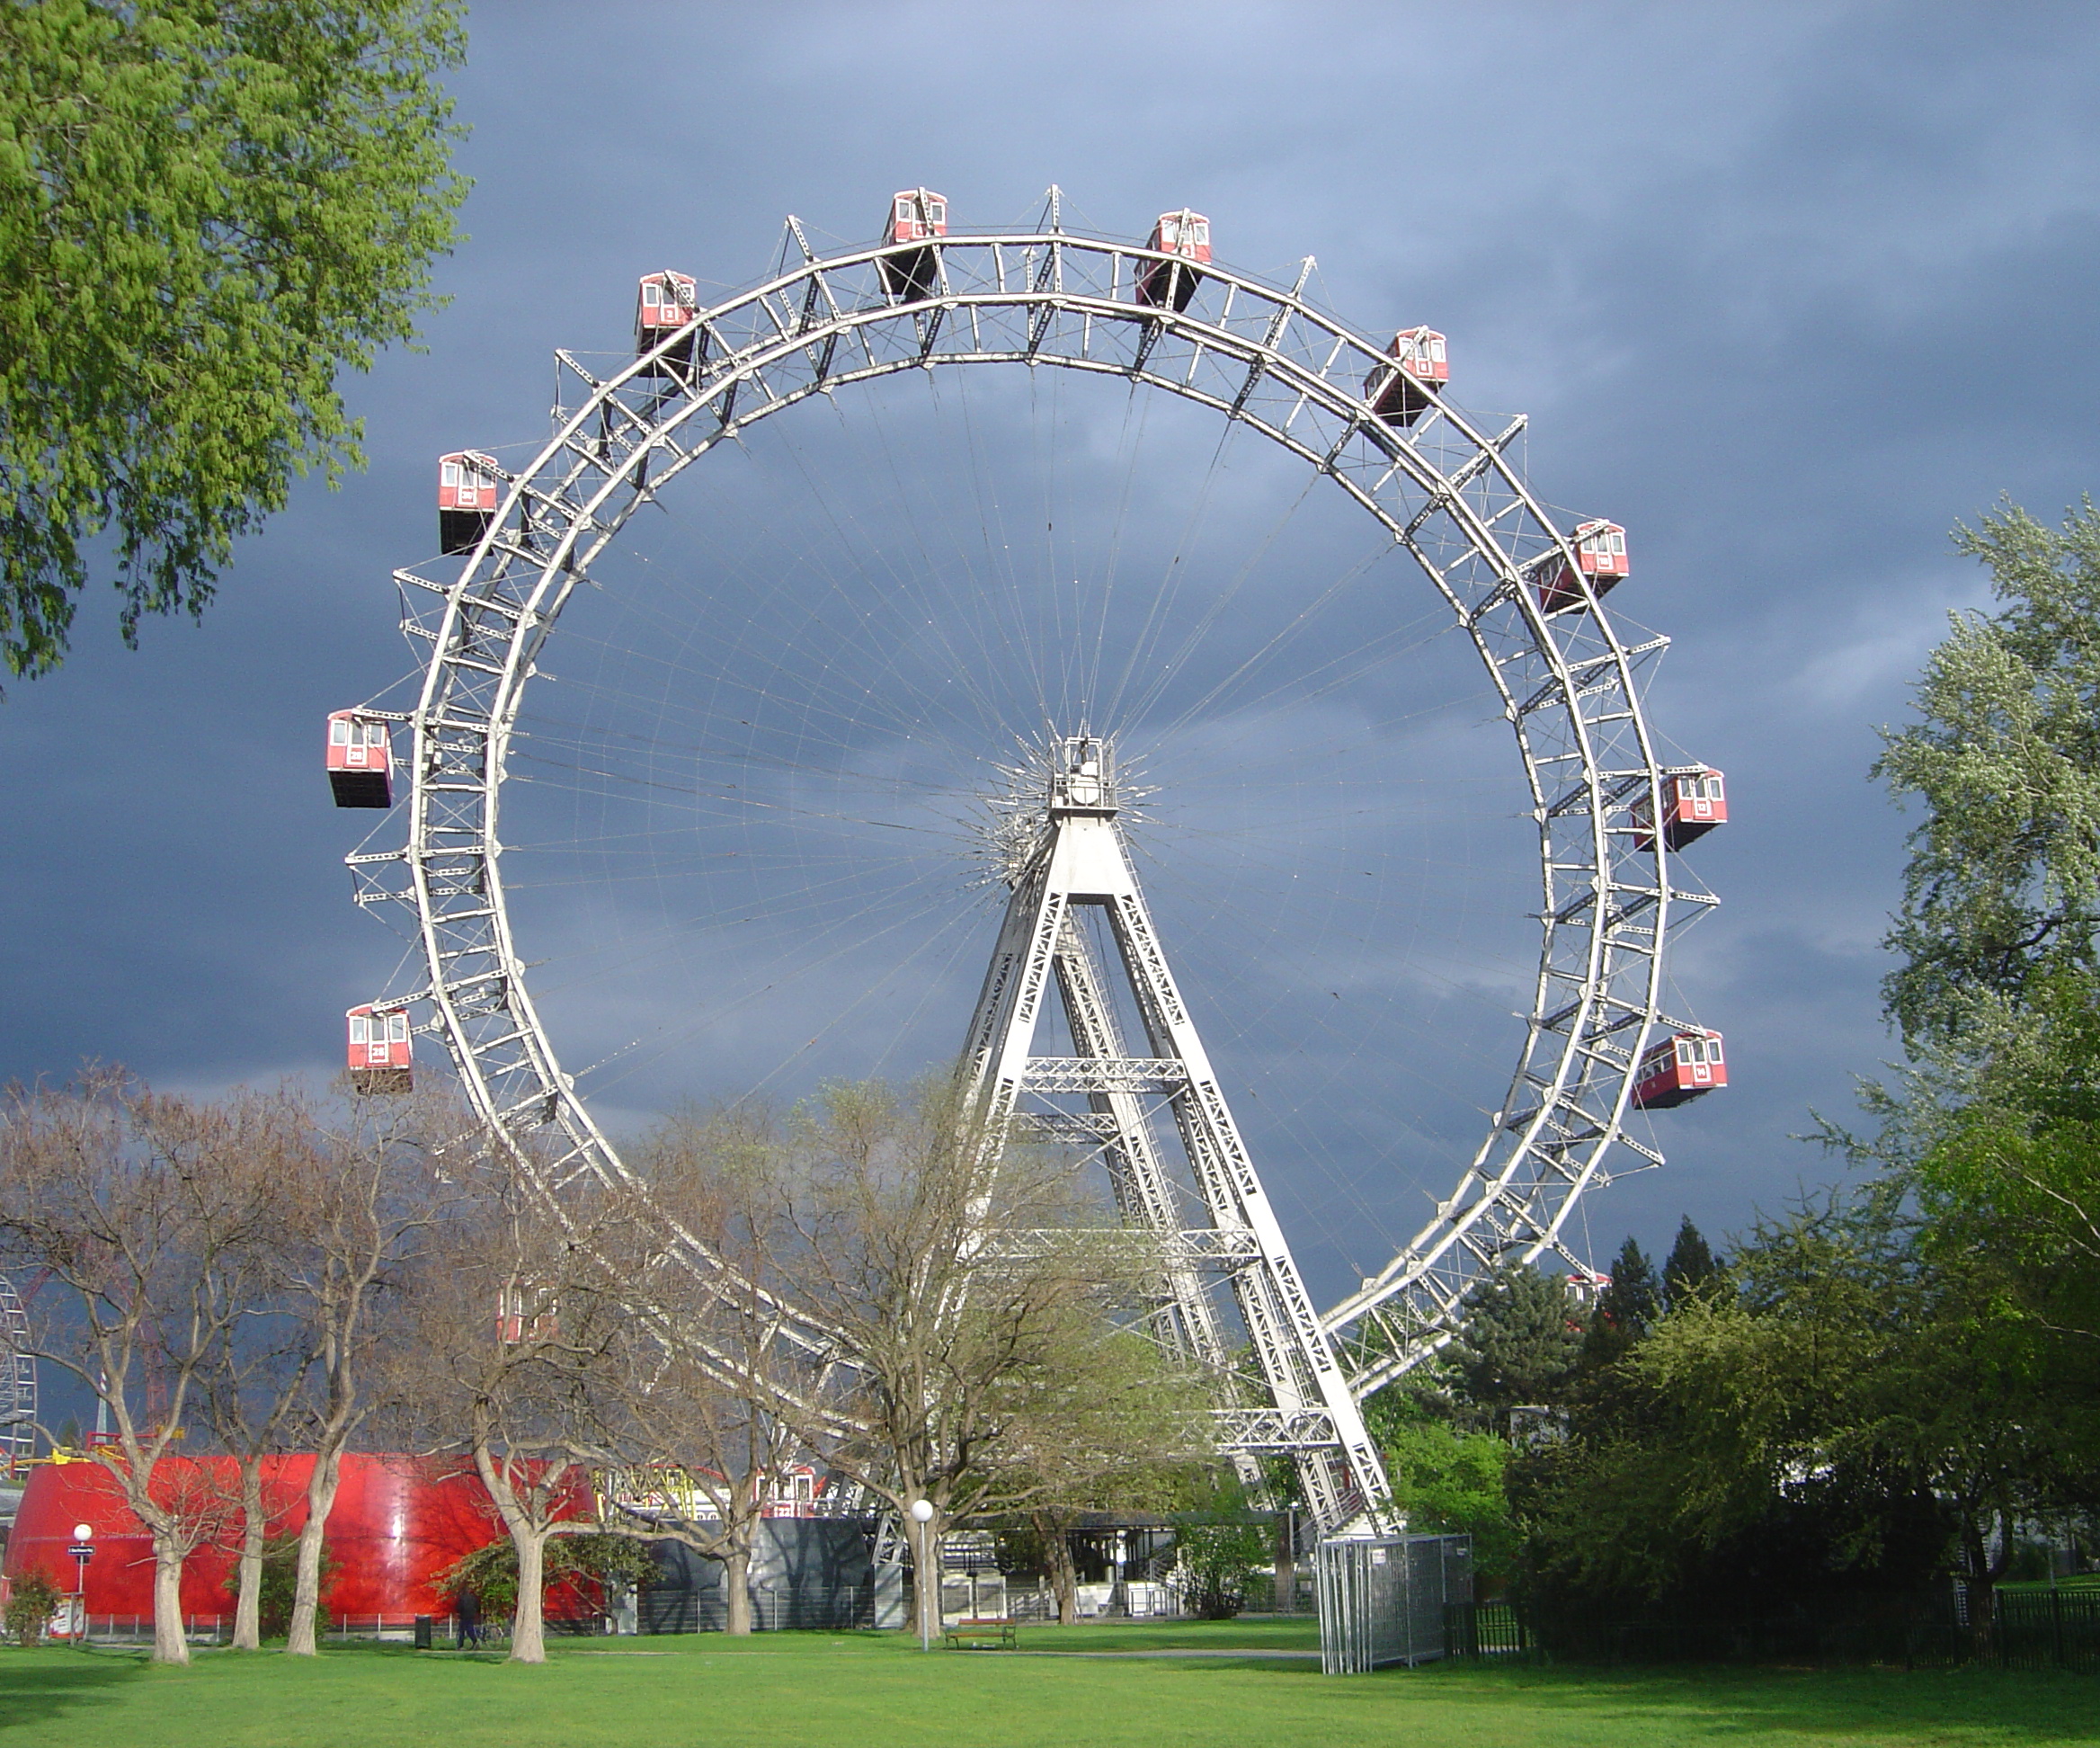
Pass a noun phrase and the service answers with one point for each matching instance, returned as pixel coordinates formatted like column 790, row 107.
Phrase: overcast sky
column 1787, row 291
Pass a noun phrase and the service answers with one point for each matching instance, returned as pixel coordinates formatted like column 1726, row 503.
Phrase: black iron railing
column 2029, row 1630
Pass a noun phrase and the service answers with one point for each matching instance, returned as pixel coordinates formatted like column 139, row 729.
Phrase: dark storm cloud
column 1785, row 289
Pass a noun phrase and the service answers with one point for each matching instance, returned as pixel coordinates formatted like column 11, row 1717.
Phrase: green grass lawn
column 820, row 1691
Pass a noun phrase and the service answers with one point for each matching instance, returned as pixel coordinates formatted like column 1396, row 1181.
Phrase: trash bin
column 423, row 1632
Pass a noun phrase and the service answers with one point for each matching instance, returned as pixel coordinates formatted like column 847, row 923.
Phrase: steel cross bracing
column 1448, row 489
column 1079, row 865
column 18, row 1378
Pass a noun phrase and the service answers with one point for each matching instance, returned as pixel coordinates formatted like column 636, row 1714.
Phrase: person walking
column 466, row 1608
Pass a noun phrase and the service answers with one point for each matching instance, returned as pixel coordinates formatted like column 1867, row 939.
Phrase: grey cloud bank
column 1785, row 289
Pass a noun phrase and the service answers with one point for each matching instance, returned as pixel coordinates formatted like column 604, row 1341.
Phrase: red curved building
column 397, row 1522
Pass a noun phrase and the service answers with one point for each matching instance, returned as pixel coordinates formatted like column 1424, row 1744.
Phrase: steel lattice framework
column 1447, row 490
column 18, row 1379
column 1080, row 863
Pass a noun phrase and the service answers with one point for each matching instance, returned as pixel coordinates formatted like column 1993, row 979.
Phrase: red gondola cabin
column 916, row 215
column 1400, row 393
column 524, row 1315
column 1683, row 1065
column 361, row 762
column 468, row 496
column 664, row 304
column 381, row 1054
column 1185, row 236
column 1694, row 802
column 794, row 1492
column 1600, row 555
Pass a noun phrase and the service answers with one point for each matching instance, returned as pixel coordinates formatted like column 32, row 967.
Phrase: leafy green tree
column 1691, row 1270
column 2003, row 883
column 1907, row 1367
column 1518, row 1345
column 1992, row 1127
column 1876, row 1389
column 1446, row 1480
column 207, row 210
column 1996, row 931
column 1857, row 1414
column 2009, row 1184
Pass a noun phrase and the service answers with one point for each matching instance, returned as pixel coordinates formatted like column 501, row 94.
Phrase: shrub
column 280, row 1559
column 31, row 1601
column 491, row 1572
column 1218, row 1562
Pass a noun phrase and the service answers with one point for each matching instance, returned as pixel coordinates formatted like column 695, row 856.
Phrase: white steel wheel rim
column 1254, row 353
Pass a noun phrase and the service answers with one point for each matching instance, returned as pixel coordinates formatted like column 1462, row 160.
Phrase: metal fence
column 336, row 1629
column 1486, row 1629
column 1382, row 1602
column 2032, row 1630
column 2029, row 1629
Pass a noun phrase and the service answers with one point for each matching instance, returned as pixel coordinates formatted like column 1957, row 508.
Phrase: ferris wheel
column 1110, row 684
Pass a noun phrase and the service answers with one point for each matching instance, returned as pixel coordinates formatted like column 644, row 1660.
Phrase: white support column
column 1079, row 864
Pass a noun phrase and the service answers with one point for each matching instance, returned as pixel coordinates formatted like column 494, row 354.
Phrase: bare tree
column 991, row 1370
column 157, row 1215
column 352, row 1187
column 519, row 1335
column 701, row 1402
column 1113, row 1427
column 363, row 1193
column 250, row 1395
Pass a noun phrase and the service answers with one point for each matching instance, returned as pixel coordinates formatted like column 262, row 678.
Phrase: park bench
column 981, row 1635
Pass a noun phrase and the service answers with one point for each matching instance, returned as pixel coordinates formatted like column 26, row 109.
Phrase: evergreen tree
column 1520, row 1344
column 1624, row 1310
column 1691, row 1268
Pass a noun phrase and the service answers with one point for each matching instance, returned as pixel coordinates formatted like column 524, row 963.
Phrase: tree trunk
column 926, row 1581
column 169, row 1644
column 1285, row 1600
column 736, row 1585
column 1982, row 1584
column 1057, row 1565
column 528, row 1621
column 249, row 1602
column 306, row 1598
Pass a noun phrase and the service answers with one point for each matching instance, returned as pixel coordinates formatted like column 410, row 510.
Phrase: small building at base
column 807, row 1572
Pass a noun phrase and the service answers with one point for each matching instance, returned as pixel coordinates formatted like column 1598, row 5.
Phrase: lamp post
column 82, row 1551
column 922, row 1515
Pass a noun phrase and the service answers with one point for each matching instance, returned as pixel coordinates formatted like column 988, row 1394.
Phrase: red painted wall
column 397, row 1522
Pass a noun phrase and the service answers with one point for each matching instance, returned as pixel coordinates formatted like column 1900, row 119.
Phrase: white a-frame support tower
column 1103, row 1098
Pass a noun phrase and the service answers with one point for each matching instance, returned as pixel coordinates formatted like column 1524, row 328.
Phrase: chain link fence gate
column 1382, row 1601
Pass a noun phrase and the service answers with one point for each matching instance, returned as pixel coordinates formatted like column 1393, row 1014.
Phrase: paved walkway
column 1190, row 1651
